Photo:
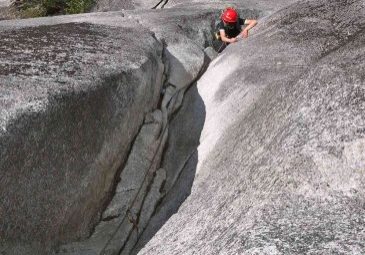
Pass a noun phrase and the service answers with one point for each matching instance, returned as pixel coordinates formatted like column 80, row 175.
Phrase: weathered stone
column 265, row 6
column 180, row 160
column 113, row 5
column 211, row 53
column 153, row 197
column 280, row 166
column 181, row 70
column 107, row 19
column 119, row 240
column 118, row 5
column 67, row 123
column 285, row 113
column 181, row 146
column 5, row 10
column 141, row 160
column 170, row 203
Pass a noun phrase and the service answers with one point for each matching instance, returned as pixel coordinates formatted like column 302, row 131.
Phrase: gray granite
column 280, row 165
column 184, row 60
column 68, row 92
column 281, row 160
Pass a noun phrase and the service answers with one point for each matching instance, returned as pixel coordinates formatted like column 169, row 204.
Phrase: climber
column 230, row 27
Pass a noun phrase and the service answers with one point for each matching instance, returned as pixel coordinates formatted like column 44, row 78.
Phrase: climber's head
column 229, row 16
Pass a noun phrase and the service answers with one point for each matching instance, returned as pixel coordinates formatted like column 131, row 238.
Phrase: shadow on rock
column 180, row 162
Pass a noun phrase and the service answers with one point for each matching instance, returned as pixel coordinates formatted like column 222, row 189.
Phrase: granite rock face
column 179, row 161
column 281, row 160
column 141, row 187
column 105, row 6
column 65, row 91
column 118, row 5
column 73, row 97
column 99, row 131
column 79, row 99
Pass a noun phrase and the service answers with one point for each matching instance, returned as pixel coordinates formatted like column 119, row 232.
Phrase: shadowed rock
column 180, row 161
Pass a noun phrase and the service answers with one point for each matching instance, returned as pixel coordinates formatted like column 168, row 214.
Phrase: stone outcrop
column 142, row 182
column 99, row 131
column 73, row 97
column 80, row 93
column 180, row 161
column 115, row 5
column 281, row 160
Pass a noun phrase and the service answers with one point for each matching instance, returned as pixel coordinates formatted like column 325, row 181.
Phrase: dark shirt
column 232, row 31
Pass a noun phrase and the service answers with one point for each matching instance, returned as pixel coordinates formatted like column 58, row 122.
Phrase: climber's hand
column 239, row 37
column 233, row 40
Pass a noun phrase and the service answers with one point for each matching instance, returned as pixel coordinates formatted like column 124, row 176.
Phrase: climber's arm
column 251, row 23
column 224, row 38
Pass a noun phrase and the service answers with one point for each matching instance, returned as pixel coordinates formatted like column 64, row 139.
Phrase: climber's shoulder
column 242, row 21
column 220, row 25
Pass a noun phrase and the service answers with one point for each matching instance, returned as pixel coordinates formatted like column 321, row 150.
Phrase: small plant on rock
column 40, row 8
column 78, row 6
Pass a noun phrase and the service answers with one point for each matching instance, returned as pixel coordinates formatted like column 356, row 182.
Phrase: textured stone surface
column 184, row 60
column 180, row 147
column 113, row 5
column 4, row 9
column 118, row 5
column 180, row 160
column 263, row 5
column 211, row 53
column 153, row 197
column 4, row 3
column 281, row 166
column 70, row 89
column 61, row 121
column 141, row 160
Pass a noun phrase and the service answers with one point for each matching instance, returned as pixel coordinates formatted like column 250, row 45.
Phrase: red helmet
column 230, row 15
